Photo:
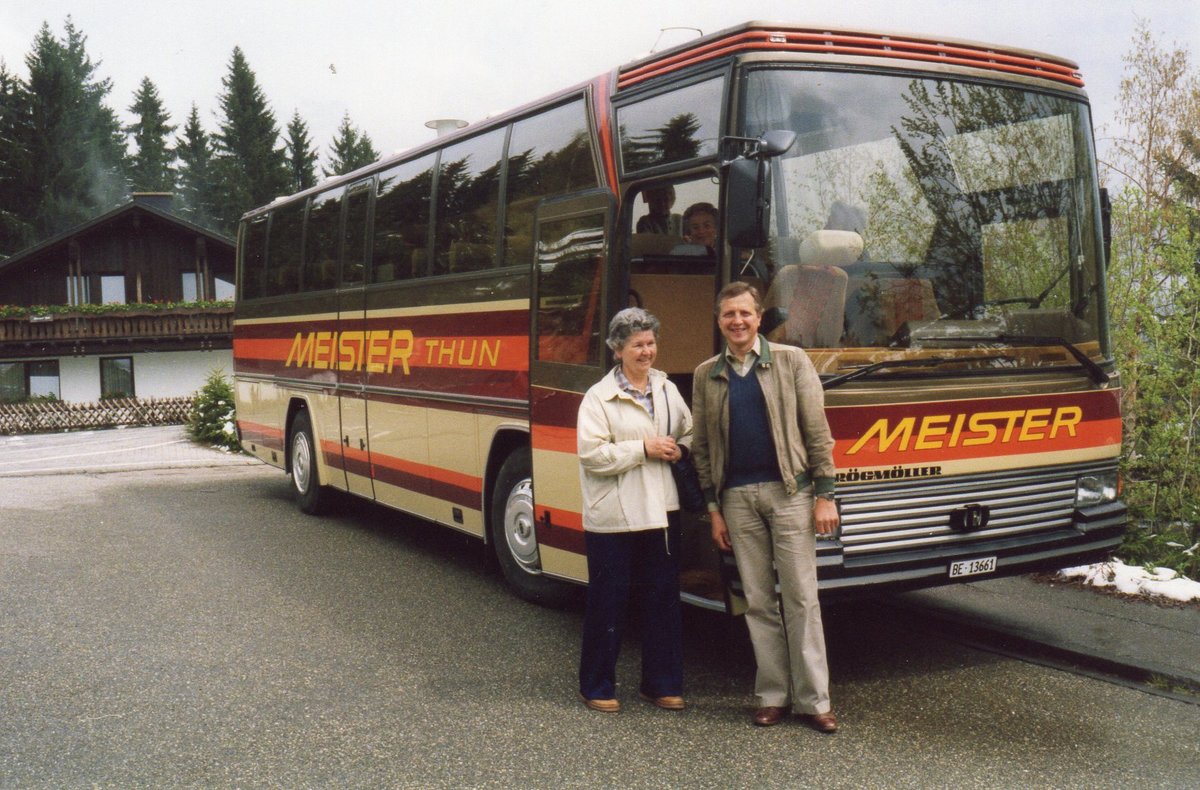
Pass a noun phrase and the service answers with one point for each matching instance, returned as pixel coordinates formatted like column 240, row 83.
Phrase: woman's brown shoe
column 666, row 703
column 602, row 705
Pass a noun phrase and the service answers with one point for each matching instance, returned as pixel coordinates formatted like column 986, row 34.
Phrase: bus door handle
column 362, row 444
column 346, row 440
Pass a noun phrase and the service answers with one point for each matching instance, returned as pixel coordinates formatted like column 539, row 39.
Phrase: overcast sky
column 395, row 64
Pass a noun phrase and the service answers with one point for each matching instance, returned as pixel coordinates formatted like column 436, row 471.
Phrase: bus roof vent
column 444, row 126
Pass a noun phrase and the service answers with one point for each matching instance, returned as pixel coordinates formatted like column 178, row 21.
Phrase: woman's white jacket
column 623, row 490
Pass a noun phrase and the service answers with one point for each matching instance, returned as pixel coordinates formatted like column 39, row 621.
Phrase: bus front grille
column 914, row 515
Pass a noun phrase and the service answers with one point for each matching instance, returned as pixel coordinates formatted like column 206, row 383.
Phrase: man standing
column 764, row 452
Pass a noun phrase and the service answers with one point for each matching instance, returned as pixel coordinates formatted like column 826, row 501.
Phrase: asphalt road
column 189, row 628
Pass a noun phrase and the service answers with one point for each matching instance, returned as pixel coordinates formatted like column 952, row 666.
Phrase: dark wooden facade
column 146, row 244
column 141, row 253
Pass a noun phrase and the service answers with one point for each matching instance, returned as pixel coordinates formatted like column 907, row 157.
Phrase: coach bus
column 921, row 215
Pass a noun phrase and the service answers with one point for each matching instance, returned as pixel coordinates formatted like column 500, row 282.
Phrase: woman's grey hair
column 628, row 323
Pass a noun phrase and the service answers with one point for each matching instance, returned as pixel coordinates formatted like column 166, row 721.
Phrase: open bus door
column 568, row 356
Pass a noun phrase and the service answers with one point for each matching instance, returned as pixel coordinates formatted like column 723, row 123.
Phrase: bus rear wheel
column 514, row 535
column 311, row 496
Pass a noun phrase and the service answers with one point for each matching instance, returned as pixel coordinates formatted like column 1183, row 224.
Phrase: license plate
column 972, row 567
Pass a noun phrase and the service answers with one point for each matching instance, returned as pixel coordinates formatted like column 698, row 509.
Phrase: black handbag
column 687, row 481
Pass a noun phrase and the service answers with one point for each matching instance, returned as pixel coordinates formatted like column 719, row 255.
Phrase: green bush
column 212, row 420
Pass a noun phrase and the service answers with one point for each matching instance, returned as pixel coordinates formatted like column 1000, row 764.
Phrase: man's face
column 738, row 320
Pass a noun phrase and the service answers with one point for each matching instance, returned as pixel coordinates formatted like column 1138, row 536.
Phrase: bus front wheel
column 311, row 496
column 514, row 535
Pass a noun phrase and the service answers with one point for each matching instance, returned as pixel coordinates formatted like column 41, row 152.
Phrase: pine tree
column 301, row 154
column 249, row 169
column 73, row 143
column 196, row 191
column 16, row 231
column 150, row 168
column 351, row 149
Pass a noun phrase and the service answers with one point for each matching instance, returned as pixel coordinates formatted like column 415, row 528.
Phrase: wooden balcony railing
column 177, row 323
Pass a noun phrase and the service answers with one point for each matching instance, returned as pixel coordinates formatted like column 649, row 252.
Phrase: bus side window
column 283, row 250
column 402, row 221
column 254, row 249
column 354, row 235
column 570, row 266
column 549, row 154
column 467, row 202
column 320, row 242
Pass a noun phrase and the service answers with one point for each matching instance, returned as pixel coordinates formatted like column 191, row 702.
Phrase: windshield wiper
column 1094, row 371
column 924, row 362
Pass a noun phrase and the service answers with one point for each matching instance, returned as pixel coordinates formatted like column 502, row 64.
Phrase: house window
column 191, row 292
column 12, row 382
column 24, row 380
column 222, row 289
column 116, row 377
column 79, row 290
column 112, row 289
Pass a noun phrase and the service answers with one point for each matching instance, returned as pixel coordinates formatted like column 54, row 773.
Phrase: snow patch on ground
column 1136, row 580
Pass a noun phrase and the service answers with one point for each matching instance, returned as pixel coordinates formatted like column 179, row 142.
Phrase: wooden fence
column 43, row 417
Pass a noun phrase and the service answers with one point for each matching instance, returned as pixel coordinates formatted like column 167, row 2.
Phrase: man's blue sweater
column 752, row 457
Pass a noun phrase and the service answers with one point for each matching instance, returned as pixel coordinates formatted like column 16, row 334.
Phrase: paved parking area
column 109, row 450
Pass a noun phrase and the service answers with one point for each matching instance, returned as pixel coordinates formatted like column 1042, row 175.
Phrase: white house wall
column 163, row 374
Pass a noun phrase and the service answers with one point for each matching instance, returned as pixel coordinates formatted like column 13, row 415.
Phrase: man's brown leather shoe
column 823, row 722
column 769, row 716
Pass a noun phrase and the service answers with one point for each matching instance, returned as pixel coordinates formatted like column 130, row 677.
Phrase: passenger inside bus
column 659, row 219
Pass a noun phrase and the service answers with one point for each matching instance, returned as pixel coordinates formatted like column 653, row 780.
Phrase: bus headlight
column 1096, row 489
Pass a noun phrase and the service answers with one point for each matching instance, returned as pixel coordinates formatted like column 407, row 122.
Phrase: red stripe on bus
column 851, row 44
column 268, row 436
column 604, row 127
column 454, row 487
column 565, row 531
column 555, row 407
column 449, row 324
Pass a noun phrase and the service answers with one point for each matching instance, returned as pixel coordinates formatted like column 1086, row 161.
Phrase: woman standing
column 632, row 423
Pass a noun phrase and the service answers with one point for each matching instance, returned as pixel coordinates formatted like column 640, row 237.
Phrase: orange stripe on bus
column 549, row 437
column 563, row 518
column 436, row 474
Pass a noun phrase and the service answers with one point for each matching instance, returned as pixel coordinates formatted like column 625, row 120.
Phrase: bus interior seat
column 385, row 273
column 880, row 306
column 813, row 292
column 679, row 301
column 467, row 256
column 420, row 262
column 643, row 244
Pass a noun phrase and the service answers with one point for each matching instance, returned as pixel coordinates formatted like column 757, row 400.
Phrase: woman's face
column 638, row 353
column 702, row 229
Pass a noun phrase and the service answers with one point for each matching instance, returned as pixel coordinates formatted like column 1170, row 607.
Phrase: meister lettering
column 938, row 431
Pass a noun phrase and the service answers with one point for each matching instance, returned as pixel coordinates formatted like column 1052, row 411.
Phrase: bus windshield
column 918, row 214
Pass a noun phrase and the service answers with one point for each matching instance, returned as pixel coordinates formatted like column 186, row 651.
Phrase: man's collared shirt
column 748, row 362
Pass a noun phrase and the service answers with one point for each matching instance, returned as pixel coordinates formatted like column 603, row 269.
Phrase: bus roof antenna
column 444, row 126
column 662, row 31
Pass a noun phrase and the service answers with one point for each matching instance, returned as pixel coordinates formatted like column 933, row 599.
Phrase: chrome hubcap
column 301, row 462
column 519, row 528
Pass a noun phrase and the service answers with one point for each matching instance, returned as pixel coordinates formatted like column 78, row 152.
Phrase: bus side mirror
column 748, row 189
column 748, row 202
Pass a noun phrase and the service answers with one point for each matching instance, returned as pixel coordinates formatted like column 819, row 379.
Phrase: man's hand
column 825, row 516
column 720, row 533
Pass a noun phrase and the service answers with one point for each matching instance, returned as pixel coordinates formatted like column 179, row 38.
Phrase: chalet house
column 140, row 256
